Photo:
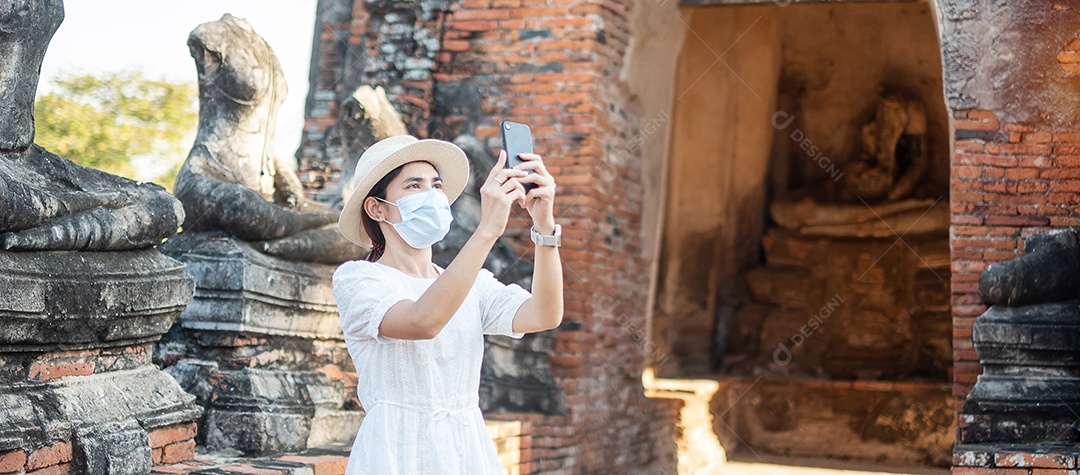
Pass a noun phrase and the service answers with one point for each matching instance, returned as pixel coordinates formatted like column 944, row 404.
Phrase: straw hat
column 392, row 152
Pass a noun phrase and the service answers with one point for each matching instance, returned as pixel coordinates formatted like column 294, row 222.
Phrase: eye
column 412, row 185
column 438, row 185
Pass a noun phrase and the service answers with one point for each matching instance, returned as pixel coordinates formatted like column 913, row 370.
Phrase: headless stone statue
column 894, row 157
column 106, row 307
column 230, row 182
column 49, row 203
column 1026, row 341
column 366, row 118
column 877, row 190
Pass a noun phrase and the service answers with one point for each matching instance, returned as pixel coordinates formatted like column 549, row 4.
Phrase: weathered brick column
column 460, row 67
column 1015, row 174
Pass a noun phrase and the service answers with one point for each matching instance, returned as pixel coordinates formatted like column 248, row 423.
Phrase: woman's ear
column 371, row 207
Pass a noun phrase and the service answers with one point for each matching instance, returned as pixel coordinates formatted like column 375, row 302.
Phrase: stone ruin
column 1027, row 343
column 260, row 345
column 256, row 347
column 84, row 294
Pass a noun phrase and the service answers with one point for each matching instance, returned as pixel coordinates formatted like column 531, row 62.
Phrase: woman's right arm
column 424, row 318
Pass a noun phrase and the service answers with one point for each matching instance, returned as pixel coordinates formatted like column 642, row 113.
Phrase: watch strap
column 552, row 240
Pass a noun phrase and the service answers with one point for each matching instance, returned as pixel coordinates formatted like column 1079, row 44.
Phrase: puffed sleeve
column 363, row 295
column 498, row 304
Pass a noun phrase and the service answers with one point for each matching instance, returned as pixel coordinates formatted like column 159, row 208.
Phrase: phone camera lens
column 506, row 126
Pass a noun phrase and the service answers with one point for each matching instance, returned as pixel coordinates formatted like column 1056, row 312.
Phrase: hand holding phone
column 516, row 140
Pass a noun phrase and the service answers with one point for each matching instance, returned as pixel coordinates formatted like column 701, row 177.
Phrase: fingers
column 504, row 175
column 500, row 165
column 518, row 194
column 538, row 179
column 532, row 161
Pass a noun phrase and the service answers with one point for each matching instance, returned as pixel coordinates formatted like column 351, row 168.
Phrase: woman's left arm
column 544, row 310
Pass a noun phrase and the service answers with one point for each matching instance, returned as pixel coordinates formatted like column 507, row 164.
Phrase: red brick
column 1004, row 458
column 238, row 468
column 62, row 469
column 171, row 469
column 966, row 171
column 1060, row 173
column 1036, row 161
column 321, row 464
column 1033, row 187
column 972, row 458
column 985, row 159
column 178, row 452
column 1013, row 127
column 1067, row 149
column 12, row 461
column 1037, row 137
column 989, row 471
column 485, row 14
column 1059, row 222
column 1065, row 185
column 1020, row 149
column 177, row 433
column 45, row 371
column 964, row 124
column 47, row 456
column 1021, row 173
column 980, row 114
column 1065, row 161
column 475, row 25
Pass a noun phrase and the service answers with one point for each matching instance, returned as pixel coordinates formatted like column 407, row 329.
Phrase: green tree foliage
column 105, row 121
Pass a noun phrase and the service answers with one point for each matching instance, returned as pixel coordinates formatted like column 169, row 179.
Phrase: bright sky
column 110, row 35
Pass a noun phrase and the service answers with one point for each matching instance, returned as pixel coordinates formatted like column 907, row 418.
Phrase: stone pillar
column 78, row 386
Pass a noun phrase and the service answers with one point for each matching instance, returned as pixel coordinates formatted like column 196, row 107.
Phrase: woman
column 415, row 330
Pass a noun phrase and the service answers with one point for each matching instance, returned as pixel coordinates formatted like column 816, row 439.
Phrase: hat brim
column 449, row 161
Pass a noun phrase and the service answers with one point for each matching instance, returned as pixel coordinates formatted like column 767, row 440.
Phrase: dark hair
column 378, row 241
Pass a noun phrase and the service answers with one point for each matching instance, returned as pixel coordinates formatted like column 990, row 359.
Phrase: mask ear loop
column 387, row 202
column 384, row 201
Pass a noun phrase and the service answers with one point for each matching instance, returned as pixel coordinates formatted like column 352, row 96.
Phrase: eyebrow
column 420, row 178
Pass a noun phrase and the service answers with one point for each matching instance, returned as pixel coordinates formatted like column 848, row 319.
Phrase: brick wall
column 553, row 64
column 1016, row 163
column 1010, row 180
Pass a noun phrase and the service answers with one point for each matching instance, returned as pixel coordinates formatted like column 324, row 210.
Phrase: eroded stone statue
column 894, row 156
column 95, row 314
column 48, row 202
column 367, row 116
column 879, row 191
column 230, row 181
column 1027, row 345
column 261, row 256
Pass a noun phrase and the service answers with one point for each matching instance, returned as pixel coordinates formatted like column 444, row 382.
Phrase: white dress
column 421, row 396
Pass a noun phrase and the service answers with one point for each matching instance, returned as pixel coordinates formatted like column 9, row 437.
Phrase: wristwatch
column 553, row 240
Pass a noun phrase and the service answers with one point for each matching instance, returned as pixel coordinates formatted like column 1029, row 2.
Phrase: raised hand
column 497, row 194
column 540, row 201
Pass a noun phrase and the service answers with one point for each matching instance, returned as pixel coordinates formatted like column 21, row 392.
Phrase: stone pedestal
column 1028, row 342
column 77, row 388
column 866, row 308
column 1030, row 386
column 261, row 348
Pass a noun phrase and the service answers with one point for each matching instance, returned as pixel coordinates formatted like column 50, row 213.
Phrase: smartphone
column 516, row 139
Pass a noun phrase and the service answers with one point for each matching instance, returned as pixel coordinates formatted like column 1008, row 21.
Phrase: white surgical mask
column 425, row 217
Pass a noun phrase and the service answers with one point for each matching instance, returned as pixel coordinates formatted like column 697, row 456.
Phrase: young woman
column 415, row 330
